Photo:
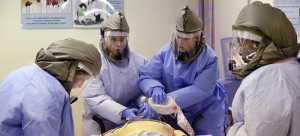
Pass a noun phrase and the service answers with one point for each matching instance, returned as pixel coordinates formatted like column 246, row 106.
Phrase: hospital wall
column 151, row 26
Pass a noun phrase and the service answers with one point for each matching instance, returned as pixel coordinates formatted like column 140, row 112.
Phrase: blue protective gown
column 110, row 93
column 194, row 86
column 34, row 103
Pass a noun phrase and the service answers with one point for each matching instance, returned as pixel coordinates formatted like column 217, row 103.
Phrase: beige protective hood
column 279, row 36
column 62, row 57
column 116, row 22
column 187, row 21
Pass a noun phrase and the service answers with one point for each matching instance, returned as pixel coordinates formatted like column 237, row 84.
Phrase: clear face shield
column 185, row 45
column 116, row 45
column 83, row 76
column 243, row 49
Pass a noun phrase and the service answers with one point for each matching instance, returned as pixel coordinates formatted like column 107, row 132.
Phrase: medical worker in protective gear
column 112, row 95
column 34, row 100
column 187, row 69
column 267, row 101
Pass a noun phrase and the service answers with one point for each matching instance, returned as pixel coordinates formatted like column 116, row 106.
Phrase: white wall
column 152, row 22
column 225, row 16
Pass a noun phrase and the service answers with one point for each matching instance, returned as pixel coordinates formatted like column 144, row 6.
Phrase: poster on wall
column 91, row 13
column 292, row 9
column 46, row 14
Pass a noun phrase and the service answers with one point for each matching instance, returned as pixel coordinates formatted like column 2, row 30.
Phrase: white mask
column 79, row 86
column 80, row 82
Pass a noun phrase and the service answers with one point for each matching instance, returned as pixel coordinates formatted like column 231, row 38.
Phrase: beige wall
column 151, row 26
column 225, row 15
column 151, row 23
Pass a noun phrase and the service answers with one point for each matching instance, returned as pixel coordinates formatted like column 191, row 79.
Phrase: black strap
column 73, row 99
column 196, row 120
column 101, row 124
column 165, row 118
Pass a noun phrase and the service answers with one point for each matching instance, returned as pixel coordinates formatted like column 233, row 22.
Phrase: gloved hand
column 147, row 111
column 158, row 95
column 130, row 113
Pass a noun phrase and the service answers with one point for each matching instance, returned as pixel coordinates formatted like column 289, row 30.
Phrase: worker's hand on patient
column 130, row 113
column 147, row 111
column 158, row 95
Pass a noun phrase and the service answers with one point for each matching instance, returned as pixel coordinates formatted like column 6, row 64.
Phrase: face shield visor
column 243, row 49
column 83, row 76
column 115, row 45
column 185, row 46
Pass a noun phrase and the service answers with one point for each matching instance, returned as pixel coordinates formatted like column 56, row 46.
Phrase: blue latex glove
column 158, row 95
column 147, row 111
column 130, row 113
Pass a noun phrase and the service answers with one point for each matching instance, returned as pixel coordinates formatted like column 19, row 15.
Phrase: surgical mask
column 79, row 86
column 170, row 107
column 80, row 81
column 243, row 49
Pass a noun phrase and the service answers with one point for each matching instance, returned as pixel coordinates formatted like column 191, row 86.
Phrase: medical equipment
column 149, row 127
column 170, row 107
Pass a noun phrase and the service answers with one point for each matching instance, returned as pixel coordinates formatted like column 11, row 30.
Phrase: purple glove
column 130, row 113
column 147, row 111
column 158, row 95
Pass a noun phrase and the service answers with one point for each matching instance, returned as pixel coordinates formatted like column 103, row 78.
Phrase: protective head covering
column 62, row 57
column 243, row 48
column 114, row 38
column 188, row 40
column 278, row 36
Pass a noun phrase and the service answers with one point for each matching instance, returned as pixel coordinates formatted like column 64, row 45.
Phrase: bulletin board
column 67, row 13
column 291, row 9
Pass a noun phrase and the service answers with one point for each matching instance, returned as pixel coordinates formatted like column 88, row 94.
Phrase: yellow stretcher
column 147, row 125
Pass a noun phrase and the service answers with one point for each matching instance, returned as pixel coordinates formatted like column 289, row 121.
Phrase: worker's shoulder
column 137, row 56
column 23, row 71
column 22, row 76
column 286, row 69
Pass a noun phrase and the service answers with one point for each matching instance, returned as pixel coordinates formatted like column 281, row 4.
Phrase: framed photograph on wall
column 46, row 14
column 91, row 13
